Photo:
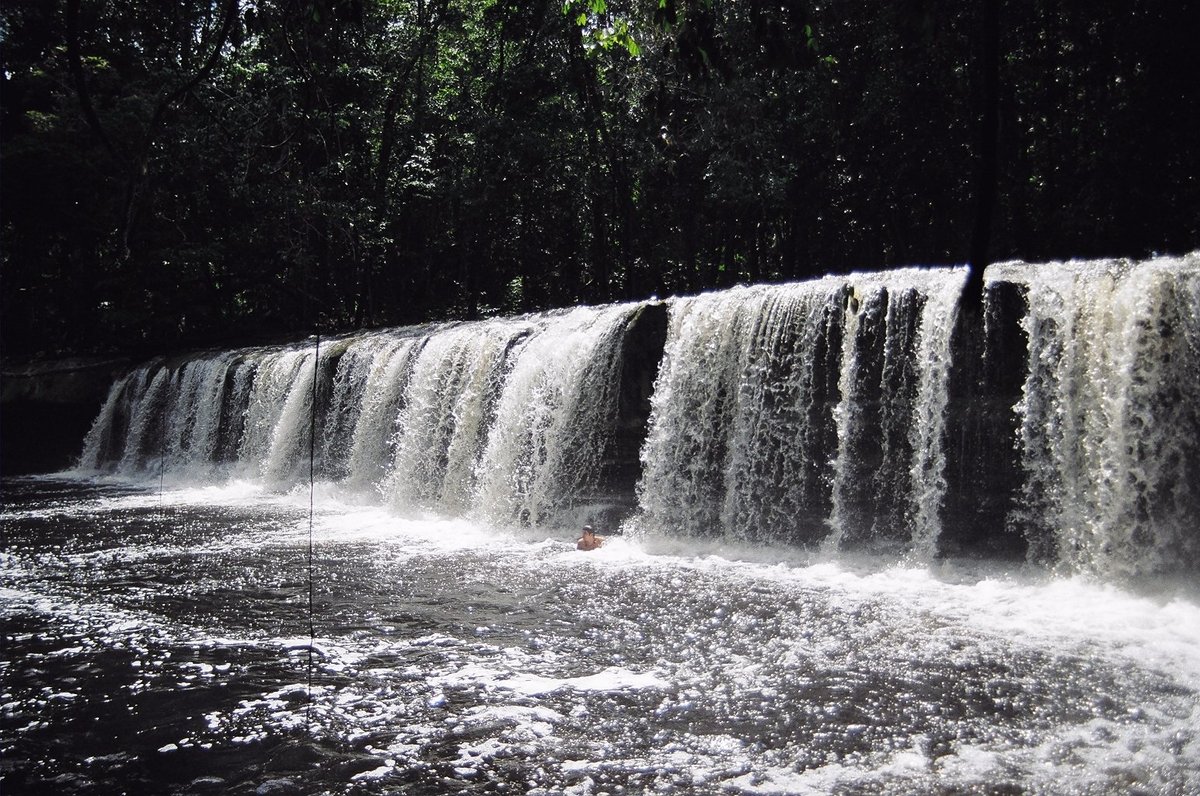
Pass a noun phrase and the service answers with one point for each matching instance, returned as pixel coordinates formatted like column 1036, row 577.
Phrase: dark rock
column 983, row 469
column 641, row 353
column 46, row 410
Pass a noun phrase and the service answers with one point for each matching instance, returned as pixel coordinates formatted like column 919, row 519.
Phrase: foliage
column 185, row 173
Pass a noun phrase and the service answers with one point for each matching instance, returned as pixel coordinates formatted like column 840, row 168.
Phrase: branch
column 81, row 89
column 138, row 170
column 431, row 26
column 231, row 9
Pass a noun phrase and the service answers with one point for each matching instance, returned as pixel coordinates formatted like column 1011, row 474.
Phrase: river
column 158, row 641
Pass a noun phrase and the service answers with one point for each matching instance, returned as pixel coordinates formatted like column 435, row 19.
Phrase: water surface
column 160, row 643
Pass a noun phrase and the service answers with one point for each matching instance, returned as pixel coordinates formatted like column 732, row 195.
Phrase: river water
column 157, row 640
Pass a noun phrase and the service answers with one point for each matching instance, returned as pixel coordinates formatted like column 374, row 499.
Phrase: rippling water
column 160, row 643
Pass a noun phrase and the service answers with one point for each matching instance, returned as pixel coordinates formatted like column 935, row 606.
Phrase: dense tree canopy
column 180, row 172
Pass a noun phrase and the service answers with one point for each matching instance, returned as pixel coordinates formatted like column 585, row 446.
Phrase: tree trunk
column 986, row 162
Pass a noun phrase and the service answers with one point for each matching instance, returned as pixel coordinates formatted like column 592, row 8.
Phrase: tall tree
column 192, row 34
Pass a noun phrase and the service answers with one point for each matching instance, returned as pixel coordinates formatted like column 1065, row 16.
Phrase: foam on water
column 610, row 680
column 639, row 665
column 1158, row 624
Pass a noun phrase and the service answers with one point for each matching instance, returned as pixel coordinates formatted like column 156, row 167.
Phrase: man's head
column 587, row 530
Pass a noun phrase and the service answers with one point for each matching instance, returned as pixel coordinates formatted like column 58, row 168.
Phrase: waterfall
column 439, row 432
column 371, row 442
column 805, row 412
column 554, row 418
column 105, row 440
column 737, row 436
column 146, row 423
column 853, row 411
column 1109, row 416
column 194, row 415
column 927, row 429
column 507, row 419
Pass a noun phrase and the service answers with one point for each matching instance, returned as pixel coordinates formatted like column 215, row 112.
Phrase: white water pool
column 159, row 643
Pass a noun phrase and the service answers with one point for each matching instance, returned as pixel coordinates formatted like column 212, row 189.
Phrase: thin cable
column 162, row 458
column 312, row 444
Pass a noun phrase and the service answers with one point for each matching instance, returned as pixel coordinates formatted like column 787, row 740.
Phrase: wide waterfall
column 822, row 414
column 508, row 420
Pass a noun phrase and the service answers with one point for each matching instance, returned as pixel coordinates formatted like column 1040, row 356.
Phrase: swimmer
column 588, row 540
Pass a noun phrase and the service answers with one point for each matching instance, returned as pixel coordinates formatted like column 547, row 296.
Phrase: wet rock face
column 641, row 353
column 47, row 408
column 983, row 471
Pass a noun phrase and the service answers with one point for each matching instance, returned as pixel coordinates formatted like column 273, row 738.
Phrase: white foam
column 609, row 680
column 923, row 609
column 1023, row 607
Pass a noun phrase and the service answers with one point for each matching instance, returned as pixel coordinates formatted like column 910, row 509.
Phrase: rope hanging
column 312, row 441
column 162, row 457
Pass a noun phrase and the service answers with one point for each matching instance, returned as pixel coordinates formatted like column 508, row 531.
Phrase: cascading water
column 863, row 428
column 554, row 419
column 805, row 412
column 738, row 432
column 105, row 442
column 440, row 430
column 893, row 384
column 380, row 402
column 1110, row 414
column 811, row 413
column 507, row 419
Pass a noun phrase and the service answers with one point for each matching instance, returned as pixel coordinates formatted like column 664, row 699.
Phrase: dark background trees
column 184, row 173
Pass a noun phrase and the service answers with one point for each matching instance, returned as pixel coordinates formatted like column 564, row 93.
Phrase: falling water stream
column 776, row 610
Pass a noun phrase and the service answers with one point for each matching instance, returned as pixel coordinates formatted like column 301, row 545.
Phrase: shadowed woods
column 207, row 174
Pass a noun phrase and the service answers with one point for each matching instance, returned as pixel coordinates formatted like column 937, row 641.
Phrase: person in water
column 588, row 540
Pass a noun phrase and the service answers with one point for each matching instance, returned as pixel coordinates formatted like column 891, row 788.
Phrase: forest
column 184, row 173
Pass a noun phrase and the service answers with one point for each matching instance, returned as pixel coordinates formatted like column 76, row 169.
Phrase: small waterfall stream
column 813, row 413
